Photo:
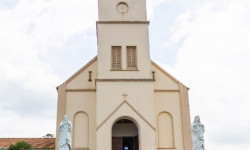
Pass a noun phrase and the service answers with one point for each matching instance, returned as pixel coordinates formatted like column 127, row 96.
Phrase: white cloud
column 63, row 19
column 213, row 60
column 151, row 6
column 31, row 31
column 14, row 125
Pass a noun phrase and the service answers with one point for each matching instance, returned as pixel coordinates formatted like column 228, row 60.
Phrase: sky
column 203, row 43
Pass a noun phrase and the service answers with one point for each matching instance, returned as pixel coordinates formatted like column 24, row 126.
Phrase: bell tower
column 123, row 44
column 125, row 10
column 124, row 81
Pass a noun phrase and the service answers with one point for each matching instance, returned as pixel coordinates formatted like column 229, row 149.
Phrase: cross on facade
column 124, row 95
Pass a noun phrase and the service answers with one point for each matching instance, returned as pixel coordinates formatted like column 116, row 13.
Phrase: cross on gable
column 124, row 95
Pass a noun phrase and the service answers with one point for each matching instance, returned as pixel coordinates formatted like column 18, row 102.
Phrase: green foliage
column 20, row 146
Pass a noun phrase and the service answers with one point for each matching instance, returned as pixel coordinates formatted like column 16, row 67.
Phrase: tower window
column 116, row 58
column 131, row 58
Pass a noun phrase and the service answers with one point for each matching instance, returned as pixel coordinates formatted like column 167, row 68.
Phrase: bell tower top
column 122, row 10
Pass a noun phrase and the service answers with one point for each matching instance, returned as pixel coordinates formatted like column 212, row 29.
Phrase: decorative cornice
column 124, row 80
column 166, row 148
column 123, row 70
column 157, row 90
column 122, row 22
column 80, row 90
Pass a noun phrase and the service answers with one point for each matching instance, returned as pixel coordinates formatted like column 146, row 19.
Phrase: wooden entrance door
column 117, row 143
column 136, row 143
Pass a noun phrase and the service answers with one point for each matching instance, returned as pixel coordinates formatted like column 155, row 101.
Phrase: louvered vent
column 131, row 58
column 116, row 57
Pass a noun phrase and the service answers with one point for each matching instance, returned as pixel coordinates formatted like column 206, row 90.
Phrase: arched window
column 165, row 130
column 81, row 130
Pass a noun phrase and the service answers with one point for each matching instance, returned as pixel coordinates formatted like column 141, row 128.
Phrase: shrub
column 20, row 146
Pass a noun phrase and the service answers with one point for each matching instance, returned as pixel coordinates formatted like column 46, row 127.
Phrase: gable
column 163, row 80
column 80, row 80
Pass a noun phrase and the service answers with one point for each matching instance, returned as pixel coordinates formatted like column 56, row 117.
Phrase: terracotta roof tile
column 48, row 143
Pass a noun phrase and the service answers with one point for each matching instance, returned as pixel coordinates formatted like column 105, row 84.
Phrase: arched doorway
column 125, row 135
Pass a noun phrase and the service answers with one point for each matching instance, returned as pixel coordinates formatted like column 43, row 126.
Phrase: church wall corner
column 61, row 107
column 185, row 114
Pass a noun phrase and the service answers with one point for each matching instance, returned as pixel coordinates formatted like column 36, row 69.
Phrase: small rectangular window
column 131, row 58
column 116, row 58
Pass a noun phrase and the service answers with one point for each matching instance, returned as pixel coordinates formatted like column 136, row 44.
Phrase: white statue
column 197, row 130
column 65, row 129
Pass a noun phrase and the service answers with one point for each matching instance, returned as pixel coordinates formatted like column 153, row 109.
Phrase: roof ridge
column 25, row 138
column 47, row 143
column 77, row 72
column 164, row 71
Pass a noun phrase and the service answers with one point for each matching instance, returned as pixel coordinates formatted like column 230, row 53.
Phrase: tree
column 20, row 146
column 48, row 135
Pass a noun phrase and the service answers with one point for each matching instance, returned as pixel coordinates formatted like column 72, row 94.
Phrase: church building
column 121, row 99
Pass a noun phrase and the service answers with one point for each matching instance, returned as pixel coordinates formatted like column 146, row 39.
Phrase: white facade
column 143, row 108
